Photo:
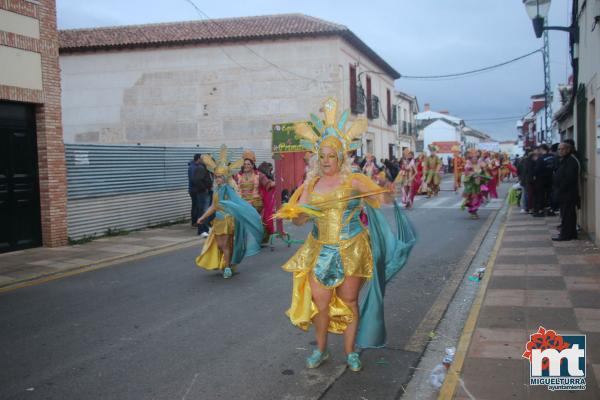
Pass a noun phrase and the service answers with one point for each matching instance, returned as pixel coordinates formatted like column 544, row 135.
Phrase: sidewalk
column 533, row 282
column 20, row 268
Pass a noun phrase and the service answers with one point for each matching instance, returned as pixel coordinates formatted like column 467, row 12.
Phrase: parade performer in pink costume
column 474, row 179
column 406, row 177
column 494, row 172
column 256, row 189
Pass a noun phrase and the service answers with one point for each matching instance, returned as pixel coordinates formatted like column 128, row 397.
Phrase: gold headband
column 331, row 131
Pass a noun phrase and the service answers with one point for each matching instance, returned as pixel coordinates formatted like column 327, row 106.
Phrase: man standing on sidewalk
column 191, row 168
column 201, row 187
column 567, row 192
column 544, row 168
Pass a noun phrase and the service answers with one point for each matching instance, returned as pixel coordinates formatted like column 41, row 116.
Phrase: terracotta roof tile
column 211, row 31
column 197, row 31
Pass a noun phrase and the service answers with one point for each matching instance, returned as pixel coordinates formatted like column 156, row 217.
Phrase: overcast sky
column 425, row 37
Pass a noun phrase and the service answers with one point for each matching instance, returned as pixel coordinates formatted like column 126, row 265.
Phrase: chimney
column 445, row 112
column 426, row 107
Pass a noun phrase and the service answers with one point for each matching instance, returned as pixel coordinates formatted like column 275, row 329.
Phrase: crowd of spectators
column 549, row 178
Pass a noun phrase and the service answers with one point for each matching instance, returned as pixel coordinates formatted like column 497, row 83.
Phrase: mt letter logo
column 556, row 361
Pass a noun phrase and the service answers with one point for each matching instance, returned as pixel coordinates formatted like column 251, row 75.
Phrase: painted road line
column 452, row 379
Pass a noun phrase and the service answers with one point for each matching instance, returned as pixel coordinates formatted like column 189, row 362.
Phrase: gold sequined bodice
column 338, row 213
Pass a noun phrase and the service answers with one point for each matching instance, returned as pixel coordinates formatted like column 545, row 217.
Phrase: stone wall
column 207, row 95
column 194, row 95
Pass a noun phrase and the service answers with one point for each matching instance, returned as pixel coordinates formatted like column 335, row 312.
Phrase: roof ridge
column 206, row 20
column 323, row 21
column 258, row 27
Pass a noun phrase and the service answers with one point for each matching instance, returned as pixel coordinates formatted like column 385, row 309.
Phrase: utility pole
column 547, row 91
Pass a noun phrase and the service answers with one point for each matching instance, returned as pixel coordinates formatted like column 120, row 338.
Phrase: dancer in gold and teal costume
column 237, row 229
column 432, row 167
column 342, row 253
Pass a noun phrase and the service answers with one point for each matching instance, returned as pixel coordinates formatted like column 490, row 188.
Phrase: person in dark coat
column 201, row 187
column 391, row 170
column 529, row 170
column 544, row 168
column 566, row 189
column 191, row 168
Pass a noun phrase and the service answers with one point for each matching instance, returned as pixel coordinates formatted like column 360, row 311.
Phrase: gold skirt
column 357, row 261
column 225, row 226
column 211, row 257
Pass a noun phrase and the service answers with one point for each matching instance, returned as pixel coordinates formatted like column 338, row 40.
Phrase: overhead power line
column 472, row 72
column 508, row 118
column 308, row 78
column 498, row 122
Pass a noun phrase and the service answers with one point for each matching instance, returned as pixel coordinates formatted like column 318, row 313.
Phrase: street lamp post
column 537, row 10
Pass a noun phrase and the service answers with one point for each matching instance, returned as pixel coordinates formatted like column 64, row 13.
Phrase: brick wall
column 51, row 154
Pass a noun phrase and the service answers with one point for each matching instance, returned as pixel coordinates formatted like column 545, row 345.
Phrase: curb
column 453, row 377
column 419, row 340
column 107, row 262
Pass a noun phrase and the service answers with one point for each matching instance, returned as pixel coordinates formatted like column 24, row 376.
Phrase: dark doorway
column 19, row 189
column 390, row 151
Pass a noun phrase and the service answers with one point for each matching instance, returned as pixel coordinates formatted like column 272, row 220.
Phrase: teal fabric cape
column 248, row 225
column 390, row 253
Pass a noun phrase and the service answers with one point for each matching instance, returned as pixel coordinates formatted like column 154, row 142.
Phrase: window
column 357, row 93
column 376, row 106
column 353, row 89
column 369, row 146
column 369, row 99
column 389, row 107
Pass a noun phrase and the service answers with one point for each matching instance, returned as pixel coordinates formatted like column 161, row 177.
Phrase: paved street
column 159, row 328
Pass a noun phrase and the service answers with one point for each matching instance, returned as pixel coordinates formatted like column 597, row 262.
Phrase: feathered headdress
column 331, row 131
column 222, row 166
column 249, row 155
column 455, row 149
column 433, row 147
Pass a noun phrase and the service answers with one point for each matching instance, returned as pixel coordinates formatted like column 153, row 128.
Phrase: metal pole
column 547, row 91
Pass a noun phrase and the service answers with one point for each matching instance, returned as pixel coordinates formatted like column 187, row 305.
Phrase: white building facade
column 440, row 128
column 472, row 138
column 509, row 147
column 407, row 108
column 586, row 16
column 181, row 84
column 441, row 131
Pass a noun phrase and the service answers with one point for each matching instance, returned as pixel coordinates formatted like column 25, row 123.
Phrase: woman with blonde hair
column 341, row 253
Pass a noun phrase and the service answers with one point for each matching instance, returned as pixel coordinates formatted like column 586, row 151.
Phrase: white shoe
column 204, row 235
